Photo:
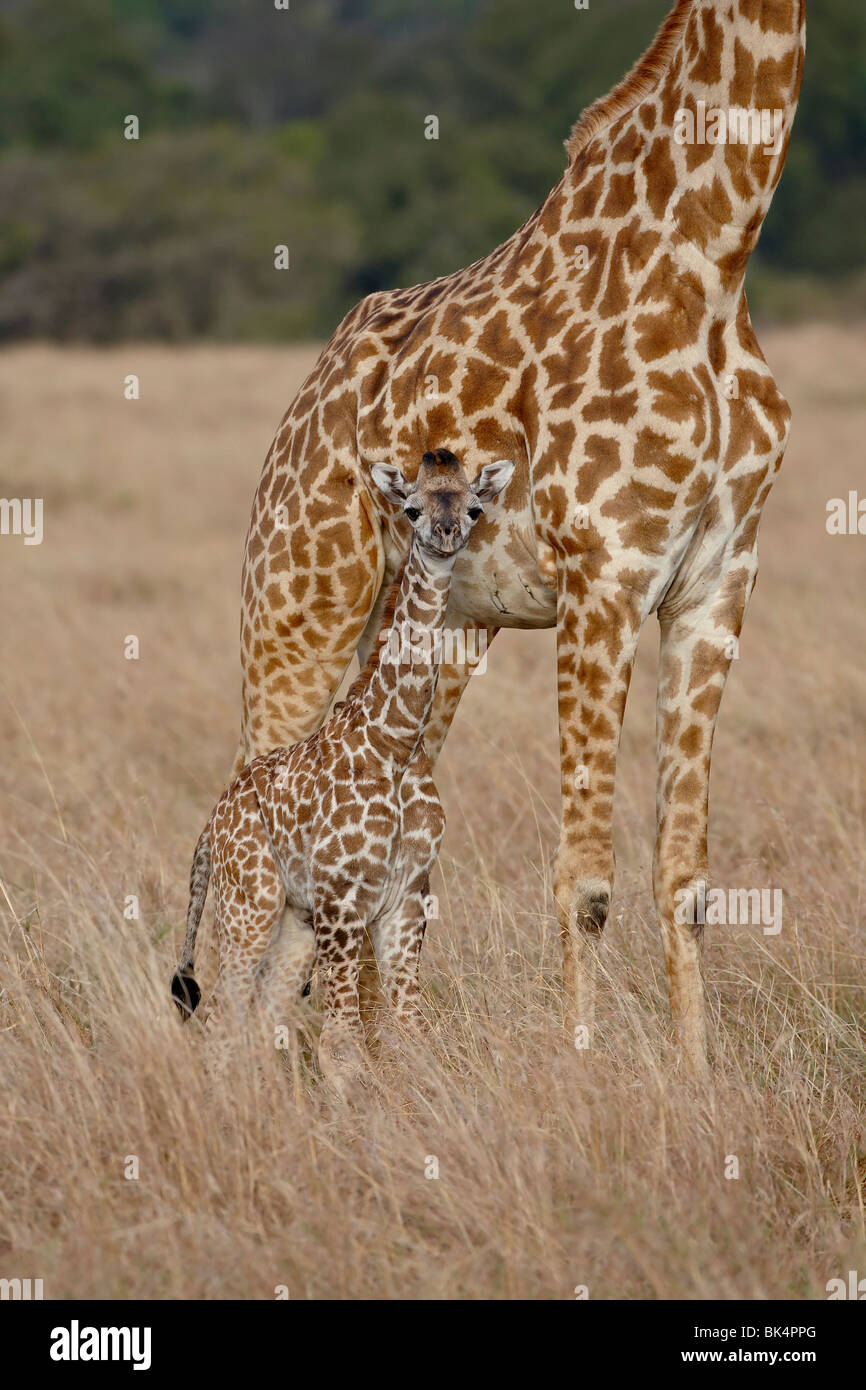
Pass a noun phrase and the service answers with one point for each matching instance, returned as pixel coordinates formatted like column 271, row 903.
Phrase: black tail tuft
column 185, row 993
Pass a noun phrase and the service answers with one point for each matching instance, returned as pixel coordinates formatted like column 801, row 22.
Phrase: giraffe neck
column 731, row 93
column 397, row 697
column 666, row 132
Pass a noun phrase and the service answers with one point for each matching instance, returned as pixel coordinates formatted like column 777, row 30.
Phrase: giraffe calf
column 317, row 847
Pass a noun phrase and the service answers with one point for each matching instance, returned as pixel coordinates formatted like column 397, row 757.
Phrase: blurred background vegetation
column 305, row 126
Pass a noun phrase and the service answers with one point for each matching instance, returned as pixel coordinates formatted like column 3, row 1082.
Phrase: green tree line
column 305, row 126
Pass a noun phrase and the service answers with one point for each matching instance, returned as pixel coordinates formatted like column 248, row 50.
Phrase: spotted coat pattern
column 322, row 852
column 607, row 348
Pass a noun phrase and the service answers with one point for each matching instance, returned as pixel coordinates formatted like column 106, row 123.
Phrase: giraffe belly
column 504, row 579
column 508, row 583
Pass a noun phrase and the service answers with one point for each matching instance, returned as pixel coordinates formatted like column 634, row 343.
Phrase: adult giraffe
column 606, row 347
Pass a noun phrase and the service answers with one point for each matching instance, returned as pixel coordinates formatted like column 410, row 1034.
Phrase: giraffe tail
column 184, row 987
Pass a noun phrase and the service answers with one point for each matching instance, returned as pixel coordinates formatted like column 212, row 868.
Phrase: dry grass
column 555, row 1168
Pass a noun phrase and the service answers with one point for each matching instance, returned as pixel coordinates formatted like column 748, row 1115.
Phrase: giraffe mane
column 361, row 681
column 637, row 84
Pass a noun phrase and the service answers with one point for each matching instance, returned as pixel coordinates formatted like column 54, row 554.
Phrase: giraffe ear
column 390, row 482
column 492, row 479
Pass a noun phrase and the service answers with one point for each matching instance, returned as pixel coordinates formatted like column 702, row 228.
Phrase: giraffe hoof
column 594, row 912
column 393, row 1037
column 342, row 1064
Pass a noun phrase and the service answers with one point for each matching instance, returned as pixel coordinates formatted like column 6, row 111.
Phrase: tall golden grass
column 557, row 1170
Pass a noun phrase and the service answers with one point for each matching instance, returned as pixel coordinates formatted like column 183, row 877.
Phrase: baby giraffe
column 314, row 846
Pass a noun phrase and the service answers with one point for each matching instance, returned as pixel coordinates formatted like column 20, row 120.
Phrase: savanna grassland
column 556, row 1168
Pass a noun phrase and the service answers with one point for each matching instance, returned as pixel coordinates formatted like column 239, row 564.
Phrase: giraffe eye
column 413, row 513
column 476, row 512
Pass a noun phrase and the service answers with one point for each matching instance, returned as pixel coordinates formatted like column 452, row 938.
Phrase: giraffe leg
column 287, row 967
column 339, row 938
column 698, row 642
column 245, row 929
column 370, row 998
column 310, row 582
column 398, row 940
column 248, row 900
column 597, row 638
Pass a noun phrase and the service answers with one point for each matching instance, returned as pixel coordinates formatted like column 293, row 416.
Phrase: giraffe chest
column 356, row 828
column 505, row 578
column 394, row 832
